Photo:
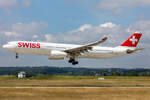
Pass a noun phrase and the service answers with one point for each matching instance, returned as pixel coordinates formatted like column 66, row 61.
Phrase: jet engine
column 57, row 55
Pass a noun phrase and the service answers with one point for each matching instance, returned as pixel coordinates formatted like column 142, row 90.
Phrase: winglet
column 104, row 39
column 98, row 42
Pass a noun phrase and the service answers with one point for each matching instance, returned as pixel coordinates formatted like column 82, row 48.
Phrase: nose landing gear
column 17, row 56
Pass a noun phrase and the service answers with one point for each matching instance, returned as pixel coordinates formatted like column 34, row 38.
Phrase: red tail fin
column 132, row 40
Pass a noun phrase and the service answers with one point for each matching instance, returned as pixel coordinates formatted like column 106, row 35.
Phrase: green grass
column 74, row 81
column 125, row 77
column 8, row 77
column 66, row 77
column 58, row 77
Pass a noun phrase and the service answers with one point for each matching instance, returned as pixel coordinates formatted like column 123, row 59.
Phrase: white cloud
column 87, row 33
column 35, row 36
column 117, row 6
column 7, row 33
column 85, row 27
column 26, row 3
column 50, row 38
column 25, row 30
column 8, row 3
column 142, row 26
column 14, row 3
column 108, row 25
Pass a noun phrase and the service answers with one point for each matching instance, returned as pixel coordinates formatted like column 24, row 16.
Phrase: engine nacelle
column 57, row 55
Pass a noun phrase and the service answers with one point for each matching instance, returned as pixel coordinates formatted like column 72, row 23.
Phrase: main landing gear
column 73, row 61
column 17, row 56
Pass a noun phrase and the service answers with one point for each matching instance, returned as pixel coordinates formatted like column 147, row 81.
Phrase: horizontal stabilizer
column 134, row 51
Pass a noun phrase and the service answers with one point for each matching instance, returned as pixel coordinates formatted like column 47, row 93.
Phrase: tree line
column 50, row 70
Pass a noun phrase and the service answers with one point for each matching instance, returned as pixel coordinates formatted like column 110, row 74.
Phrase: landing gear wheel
column 17, row 56
column 75, row 62
column 71, row 60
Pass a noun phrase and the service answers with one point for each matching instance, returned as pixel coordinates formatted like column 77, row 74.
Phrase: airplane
column 57, row 51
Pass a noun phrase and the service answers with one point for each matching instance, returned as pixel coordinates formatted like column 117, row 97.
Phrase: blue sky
column 74, row 21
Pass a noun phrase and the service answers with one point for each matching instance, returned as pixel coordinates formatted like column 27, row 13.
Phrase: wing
column 74, row 52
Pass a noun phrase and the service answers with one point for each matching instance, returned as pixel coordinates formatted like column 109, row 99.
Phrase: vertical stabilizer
column 132, row 40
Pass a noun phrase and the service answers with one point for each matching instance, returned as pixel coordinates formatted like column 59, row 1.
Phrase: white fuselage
column 56, row 51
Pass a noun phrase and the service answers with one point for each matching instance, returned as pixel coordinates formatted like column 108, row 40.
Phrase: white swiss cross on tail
column 132, row 40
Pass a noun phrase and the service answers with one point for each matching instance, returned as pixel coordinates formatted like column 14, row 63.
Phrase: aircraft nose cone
column 5, row 46
column 9, row 47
